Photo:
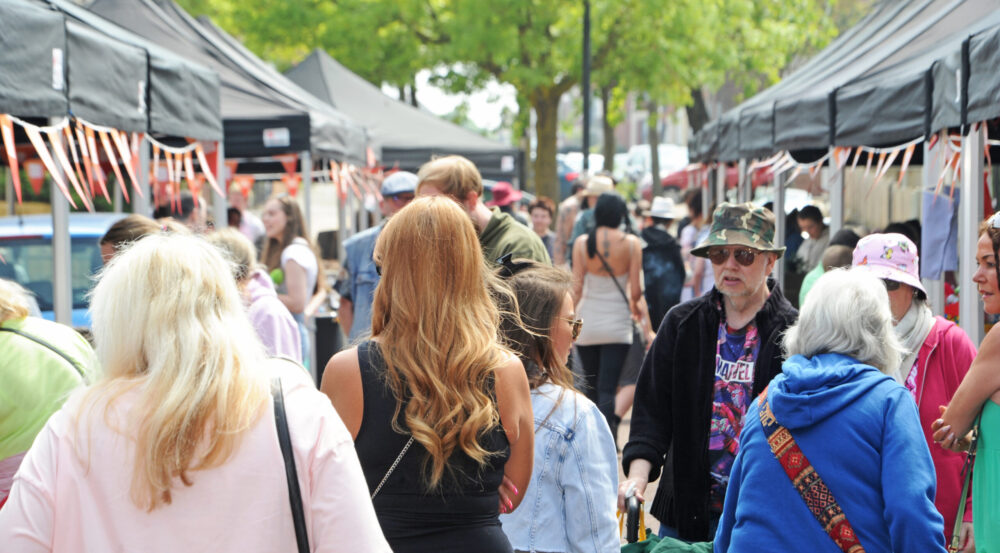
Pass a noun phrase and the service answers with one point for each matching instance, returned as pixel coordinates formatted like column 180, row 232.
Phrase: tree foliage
column 662, row 50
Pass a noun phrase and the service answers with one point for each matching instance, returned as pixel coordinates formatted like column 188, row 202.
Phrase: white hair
column 846, row 312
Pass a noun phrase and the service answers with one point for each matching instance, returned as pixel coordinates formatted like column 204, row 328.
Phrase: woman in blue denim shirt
column 569, row 505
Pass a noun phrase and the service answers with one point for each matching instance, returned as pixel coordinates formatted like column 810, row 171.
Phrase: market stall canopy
column 896, row 75
column 408, row 136
column 263, row 113
column 59, row 60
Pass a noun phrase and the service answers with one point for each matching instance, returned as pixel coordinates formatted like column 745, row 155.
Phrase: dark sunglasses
column 378, row 269
column 890, row 285
column 402, row 197
column 577, row 325
column 744, row 256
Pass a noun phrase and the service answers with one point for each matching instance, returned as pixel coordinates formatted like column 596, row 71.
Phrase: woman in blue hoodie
column 857, row 427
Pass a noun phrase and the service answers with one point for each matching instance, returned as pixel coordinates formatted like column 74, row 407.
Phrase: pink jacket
column 944, row 359
column 72, row 490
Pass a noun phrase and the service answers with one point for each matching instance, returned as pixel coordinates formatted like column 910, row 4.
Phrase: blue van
column 26, row 247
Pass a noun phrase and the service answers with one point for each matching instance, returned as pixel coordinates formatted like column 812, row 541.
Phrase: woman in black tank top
column 440, row 412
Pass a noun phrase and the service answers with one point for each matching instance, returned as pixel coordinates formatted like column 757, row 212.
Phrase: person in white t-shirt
column 291, row 260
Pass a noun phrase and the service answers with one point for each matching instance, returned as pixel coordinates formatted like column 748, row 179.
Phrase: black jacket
column 663, row 271
column 673, row 403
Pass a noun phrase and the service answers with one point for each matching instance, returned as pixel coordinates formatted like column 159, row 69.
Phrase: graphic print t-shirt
column 735, row 357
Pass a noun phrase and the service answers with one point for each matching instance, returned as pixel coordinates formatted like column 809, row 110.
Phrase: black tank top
column 462, row 515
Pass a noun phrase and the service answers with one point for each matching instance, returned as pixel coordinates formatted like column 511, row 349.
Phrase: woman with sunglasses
column 439, row 410
column 571, row 503
column 977, row 401
column 937, row 357
column 606, row 262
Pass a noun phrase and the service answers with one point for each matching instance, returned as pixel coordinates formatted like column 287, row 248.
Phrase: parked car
column 26, row 247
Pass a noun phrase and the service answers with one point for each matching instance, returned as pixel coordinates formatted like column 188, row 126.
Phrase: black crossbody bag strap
column 291, row 475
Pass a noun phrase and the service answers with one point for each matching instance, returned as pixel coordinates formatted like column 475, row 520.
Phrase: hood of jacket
column 810, row 390
column 259, row 286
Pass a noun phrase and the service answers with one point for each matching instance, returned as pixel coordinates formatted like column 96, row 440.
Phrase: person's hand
column 507, row 490
column 944, row 436
column 966, row 538
column 633, row 486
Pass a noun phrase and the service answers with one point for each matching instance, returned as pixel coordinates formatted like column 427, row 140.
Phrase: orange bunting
column 209, row 173
column 906, row 162
column 289, row 161
column 244, row 183
column 60, row 152
column 36, row 174
column 99, row 175
column 169, row 158
column 76, row 160
column 868, row 165
column 110, row 153
column 189, row 173
column 292, row 183
column 857, row 156
column 43, row 153
column 121, row 142
column 7, row 132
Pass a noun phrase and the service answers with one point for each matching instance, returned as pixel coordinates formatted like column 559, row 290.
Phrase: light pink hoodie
column 274, row 324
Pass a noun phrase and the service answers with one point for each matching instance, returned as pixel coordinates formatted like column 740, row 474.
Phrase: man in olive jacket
column 711, row 357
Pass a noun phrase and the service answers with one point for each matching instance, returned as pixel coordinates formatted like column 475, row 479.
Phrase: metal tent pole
column 779, row 225
column 307, row 176
column 836, row 188
column 741, row 187
column 220, row 204
column 9, row 190
column 930, row 172
column 970, row 212
column 141, row 202
column 62, row 283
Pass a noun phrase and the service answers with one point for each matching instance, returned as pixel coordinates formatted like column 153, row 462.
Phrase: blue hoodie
column 861, row 432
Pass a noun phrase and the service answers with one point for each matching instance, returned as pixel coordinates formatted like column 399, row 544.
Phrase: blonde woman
column 439, row 410
column 176, row 447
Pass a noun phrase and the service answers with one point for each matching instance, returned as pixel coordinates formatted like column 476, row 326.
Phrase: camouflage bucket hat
column 740, row 225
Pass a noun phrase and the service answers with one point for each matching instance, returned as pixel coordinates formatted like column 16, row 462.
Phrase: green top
column 503, row 235
column 808, row 281
column 986, row 482
column 37, row 378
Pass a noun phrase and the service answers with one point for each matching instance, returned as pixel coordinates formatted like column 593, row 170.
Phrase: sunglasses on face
column 577, row 325
column 743, row 256
column 890, row 285
column 402, row 197
column 378, row 269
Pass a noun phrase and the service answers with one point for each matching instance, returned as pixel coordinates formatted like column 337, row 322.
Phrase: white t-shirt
column 300, row 252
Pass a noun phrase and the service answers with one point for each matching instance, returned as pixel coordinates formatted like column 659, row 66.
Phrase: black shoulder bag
column 291, row 475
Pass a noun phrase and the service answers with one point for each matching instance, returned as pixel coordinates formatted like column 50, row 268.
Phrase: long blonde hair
column 168, row 321
column 436, row 324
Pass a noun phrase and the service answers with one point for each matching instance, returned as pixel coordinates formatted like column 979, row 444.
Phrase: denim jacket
column 360, row 281
column 569, row 505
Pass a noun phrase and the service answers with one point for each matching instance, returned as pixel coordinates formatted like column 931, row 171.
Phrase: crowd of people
column 491, row 360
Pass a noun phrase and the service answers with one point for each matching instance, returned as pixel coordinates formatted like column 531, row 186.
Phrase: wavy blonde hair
column 168, row 321
column 436, row 324
column 15, row 301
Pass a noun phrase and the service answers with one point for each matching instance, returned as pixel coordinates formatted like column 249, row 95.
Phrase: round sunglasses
column 743, row 256
column 577, row 325
column 890, row 285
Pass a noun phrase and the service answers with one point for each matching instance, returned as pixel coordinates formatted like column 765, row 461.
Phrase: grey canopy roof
column 59, row 59
column 896, row 75
column 408, row 136
column 256, row 102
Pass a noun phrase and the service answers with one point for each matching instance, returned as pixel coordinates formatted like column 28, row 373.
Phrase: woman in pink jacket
column 176, row 446
column 939, row 356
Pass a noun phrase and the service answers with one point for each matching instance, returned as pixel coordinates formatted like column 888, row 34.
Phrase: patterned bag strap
column 970, row 459
column 807, row 481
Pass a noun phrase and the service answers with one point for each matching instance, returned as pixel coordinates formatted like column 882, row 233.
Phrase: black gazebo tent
column 407, row 136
